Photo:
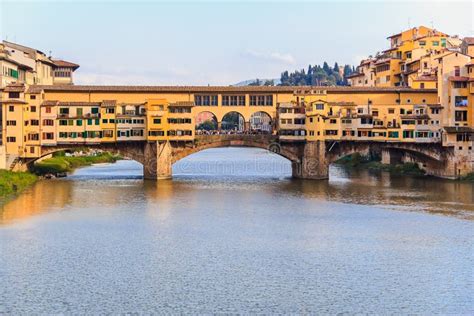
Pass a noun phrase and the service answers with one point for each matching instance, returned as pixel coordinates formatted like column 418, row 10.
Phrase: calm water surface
column 232, row 233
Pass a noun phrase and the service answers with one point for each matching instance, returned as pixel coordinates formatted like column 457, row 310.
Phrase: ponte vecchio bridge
column 310, row 126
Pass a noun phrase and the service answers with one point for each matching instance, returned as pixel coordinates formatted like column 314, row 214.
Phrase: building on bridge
column 40, row 119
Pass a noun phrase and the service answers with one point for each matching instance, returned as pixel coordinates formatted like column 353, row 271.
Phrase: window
column 435, row 43
column 63, row 110
column 319, row 106
column 407, row 134
column 157, row 121
column 14, row 95
column 48, row 122
column 391, row 111
column 11, row 108
column 110, row 111
column 11, row 123
column 197, row 100
column 48, row 136
column 79, row 112
column 35, row 122
column 422, row 43
column 47, row 109
column 422, row 85
column 393, row 134
column 32, row 97
column 213, row 99
column 225, row 100
column 79, row 122
column 457, row 71
column 459, row 84
column 253, row 100
column 11, row 139
column 156, row 133
column 62, row 122
column 95, row 110
column 460, row 116
column 375, row 113
column 460, row 101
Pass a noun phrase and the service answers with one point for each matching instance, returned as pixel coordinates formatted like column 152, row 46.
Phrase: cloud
column 272, row 57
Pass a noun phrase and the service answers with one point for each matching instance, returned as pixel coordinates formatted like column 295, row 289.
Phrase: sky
column 216, row 42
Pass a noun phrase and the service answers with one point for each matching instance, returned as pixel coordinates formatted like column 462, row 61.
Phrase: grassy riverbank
column 469, row 177
column 60, row 163
column 356, row 161
column 15, row 182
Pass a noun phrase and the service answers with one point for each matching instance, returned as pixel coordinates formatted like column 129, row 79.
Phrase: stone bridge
column 309, row 160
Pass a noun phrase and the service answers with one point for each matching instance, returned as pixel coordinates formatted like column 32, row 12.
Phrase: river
column 233, row 233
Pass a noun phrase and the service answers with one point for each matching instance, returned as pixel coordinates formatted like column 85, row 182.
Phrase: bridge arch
column 267, row 142
column 233, row 120
column 206, row 120
column 261, row 121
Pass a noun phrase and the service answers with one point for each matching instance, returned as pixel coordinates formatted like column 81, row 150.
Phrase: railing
column 264, row 138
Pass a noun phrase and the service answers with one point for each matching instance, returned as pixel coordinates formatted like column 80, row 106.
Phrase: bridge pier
column 157, row 164
column 313, row 163
column 390, row 156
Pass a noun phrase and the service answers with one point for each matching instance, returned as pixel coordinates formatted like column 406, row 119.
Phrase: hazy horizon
column 216, row 43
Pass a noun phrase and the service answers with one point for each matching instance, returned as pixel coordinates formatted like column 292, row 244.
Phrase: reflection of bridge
column 309, row 159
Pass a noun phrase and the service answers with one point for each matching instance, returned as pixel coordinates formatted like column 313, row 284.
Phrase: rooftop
column 215, row 89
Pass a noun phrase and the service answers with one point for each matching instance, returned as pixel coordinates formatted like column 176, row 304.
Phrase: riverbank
column 15, row 182
column 357, row 161
column 60, row 163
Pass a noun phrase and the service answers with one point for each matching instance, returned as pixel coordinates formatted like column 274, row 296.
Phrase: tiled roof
column 78, row 103
column 355, row 74
column 458, row 129
column 109, row 103
column 182, row 103
column 49, row 103
column 63, row 63
column 202, row 89
column 15, row 87
column 458, row 78
column 342, row 104
column 426, row 78
column 13, row 101
column 469, row 40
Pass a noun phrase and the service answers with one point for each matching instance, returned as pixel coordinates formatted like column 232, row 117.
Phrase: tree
column 255, row 83
column 269, row 83
column 316, row 75
column 207, row 125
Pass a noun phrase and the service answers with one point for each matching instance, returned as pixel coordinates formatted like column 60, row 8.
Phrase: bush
column 60, row 164
column 14, row 182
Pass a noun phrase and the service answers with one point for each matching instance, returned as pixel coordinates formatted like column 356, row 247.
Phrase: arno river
column 232, row 233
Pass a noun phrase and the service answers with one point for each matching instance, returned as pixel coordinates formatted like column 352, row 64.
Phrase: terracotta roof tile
column 215, row 89
column 458, row 78
column 63, row 63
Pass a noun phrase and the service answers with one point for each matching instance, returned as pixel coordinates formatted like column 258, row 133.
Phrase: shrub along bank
column 14, row 182
column 358, row 161
column 60, row 163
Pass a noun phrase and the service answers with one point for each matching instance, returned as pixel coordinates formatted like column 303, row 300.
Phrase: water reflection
column 240, row 239
column 198, row 177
